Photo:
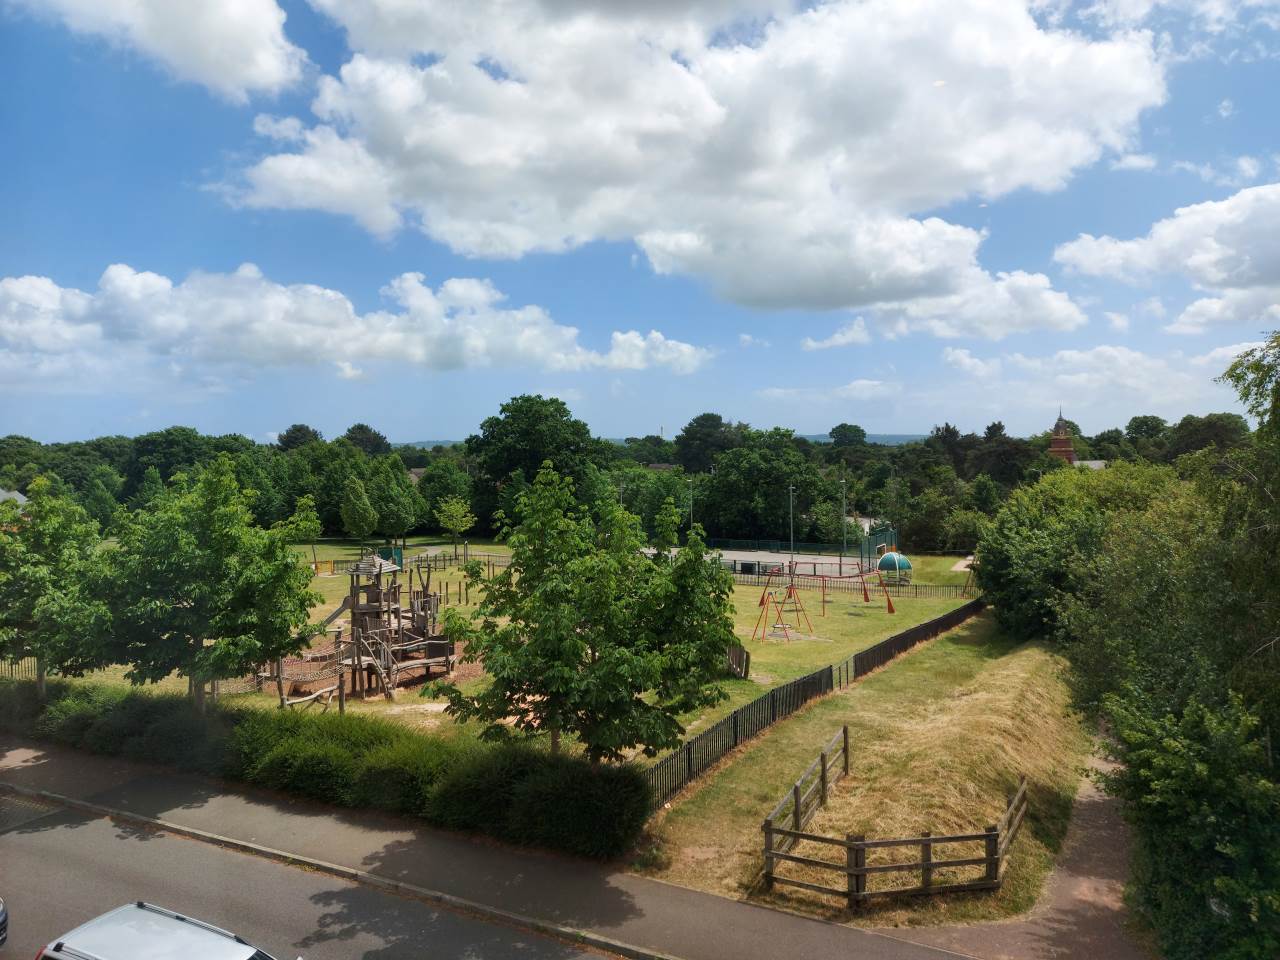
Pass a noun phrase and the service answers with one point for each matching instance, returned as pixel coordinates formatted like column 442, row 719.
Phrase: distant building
column 13, row 495
column 1060, row 444
column 1091, row 464
column 661, row 467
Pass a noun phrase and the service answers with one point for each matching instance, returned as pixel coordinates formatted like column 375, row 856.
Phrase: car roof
column 141, row 932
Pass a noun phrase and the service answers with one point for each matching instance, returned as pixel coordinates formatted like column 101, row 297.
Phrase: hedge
column 516, row 793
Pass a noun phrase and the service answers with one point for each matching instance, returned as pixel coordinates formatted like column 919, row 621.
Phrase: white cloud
column 1134, row 161
column 1229, row 248
column 853, row 332
column 233, row 48
column 853, row 390
column 1221, row 357
column 746, row 340
column 966, row 362
column 780, row 154
column 1095, row 377
column 1209, row 16
column 1118, row 322
column 1236, row 172
column 1226, row 109
column 243, row 321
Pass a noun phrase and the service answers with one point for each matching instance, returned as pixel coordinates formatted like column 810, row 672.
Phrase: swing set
column 781, row 611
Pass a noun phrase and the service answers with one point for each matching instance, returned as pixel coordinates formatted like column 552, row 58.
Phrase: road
column 59, row 868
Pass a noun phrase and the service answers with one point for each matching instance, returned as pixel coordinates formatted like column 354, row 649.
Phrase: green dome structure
column 895, row 567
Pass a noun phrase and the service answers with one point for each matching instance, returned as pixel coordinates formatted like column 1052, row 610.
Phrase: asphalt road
column 59, row 868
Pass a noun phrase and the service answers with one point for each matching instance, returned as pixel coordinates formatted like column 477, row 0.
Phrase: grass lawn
column 849, row 626
column 936, row 568
column 938, row 738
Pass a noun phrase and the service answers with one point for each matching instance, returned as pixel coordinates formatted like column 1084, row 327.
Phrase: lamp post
column 844, row 526
column 791, row 514
column 691, row 504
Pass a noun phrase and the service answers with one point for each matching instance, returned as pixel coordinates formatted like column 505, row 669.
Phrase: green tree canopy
column 297, row 435
column 367, row 439
column 198, row 589
column 444, row 477
column 584, row 635
column 359, row 518
column 48, row 610
column 454, row 517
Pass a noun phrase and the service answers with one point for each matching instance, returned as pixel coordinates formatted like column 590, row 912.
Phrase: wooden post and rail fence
column 784, row 828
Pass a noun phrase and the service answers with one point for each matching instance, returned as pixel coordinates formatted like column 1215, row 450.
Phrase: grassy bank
column 938, row 737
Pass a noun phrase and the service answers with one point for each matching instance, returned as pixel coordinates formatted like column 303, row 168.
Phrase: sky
column 242, row 215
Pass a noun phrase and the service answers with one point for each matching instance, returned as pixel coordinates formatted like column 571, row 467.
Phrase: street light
column 691, row 504
column 844, row 526
column 791, row 513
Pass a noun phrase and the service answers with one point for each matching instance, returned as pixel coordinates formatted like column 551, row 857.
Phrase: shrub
column 477, row 792
column 567, row 804
column 398, row 776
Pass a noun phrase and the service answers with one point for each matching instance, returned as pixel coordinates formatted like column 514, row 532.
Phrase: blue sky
column 886, row 213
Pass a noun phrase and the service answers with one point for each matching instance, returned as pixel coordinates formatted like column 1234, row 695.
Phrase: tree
column 1047, row 536
column 703, row 438
column 47, row 611
column 512, row 446
column 198, row 589
column 650, row 449
column 583, row 634
column 150, row 487
column 847, row 435
column 1145, row 427
column 363, row 436
column 984, row 495
column 443, row 477
column 393, row 497
column 303, row 526
column 100, row 497
column 358, row 516
column 455, row 518
column 1191, row 433
column 298, row 435
column 666, row 528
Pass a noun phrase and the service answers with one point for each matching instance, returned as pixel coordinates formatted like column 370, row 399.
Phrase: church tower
column 1060, row 445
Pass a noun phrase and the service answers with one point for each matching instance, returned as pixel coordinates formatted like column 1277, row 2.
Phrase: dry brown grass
column 939, row 737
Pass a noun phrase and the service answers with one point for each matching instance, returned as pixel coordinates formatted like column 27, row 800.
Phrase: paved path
column 59, row 868
column 1081, row 913
column 633, row 910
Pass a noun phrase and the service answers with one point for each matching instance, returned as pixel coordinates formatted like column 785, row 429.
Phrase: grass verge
column 938, row 738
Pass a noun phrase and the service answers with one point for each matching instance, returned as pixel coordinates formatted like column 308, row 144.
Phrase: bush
column 318, row 770
column 515, row 792
column 566, row 804
column 477, row 792
column 399, row 776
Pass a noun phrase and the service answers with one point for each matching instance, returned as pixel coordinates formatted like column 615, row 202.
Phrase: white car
column 143, row 931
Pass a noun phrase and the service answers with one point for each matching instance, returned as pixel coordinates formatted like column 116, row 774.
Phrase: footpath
column 1080, row 915
column 646, row 917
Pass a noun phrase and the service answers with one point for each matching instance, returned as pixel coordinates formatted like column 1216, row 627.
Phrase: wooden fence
column 675, row 771
column 24, row 669
column 740, row 662
column 854, row 869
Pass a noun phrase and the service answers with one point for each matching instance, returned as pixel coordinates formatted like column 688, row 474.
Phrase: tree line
column 1161, row 584
column 737, row 481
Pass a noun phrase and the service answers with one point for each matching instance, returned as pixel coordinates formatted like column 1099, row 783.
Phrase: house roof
column 13, row 495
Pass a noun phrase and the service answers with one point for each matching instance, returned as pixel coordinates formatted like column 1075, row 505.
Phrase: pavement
column 648, row 915
column 59, row 868
column 1081, row 913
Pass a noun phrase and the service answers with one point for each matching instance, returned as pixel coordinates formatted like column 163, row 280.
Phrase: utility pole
column 691, row 504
